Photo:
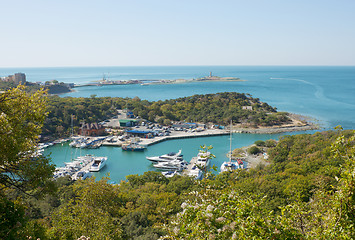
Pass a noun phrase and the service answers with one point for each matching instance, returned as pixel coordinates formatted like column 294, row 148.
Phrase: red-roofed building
column 92, row 129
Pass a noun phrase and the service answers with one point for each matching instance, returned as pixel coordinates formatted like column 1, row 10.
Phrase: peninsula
column 209, row 78
column 144, row 82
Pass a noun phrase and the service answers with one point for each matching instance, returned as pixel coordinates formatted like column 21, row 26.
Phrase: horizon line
column 90, row 66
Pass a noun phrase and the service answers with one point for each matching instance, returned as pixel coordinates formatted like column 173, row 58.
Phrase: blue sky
column 43, row 33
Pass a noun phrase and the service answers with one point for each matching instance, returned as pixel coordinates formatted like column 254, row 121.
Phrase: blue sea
column 324, row 93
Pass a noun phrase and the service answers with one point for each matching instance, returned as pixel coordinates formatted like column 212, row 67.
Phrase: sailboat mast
column 72, row 126
column 230, row 143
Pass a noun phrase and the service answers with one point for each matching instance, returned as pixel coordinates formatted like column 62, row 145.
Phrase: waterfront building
column 92, row 129
column 17, row 78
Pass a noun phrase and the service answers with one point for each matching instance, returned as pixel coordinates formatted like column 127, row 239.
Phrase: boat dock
column 85, row 168
column 190, row 166
column 180, row 135
column 157, row 139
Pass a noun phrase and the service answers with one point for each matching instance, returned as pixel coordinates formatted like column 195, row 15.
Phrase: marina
column 122, row 163
column 308, row 91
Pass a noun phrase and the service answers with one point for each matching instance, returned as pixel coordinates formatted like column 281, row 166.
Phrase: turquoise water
column 324, row 93
column 122, row 163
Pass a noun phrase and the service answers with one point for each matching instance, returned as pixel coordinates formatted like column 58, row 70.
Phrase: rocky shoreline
column 298, row 123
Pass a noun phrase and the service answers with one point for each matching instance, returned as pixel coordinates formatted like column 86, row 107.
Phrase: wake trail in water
column 319, row 93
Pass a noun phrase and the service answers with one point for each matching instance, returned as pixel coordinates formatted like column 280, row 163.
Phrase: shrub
column 270, row 143
column 259, row 143
column 254, row 150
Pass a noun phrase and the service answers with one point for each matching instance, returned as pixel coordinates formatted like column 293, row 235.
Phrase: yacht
column 173, row 165
column 134, row 147
column 169, row 174
column 98, row 164
column 196, row 173
column 203, row 159
column 166, row 157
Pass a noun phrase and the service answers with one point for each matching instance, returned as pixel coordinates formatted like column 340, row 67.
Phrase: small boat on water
column 98, row 164
column 134, row 147
column 166, row 157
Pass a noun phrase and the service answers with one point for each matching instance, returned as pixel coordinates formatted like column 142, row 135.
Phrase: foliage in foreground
column 21, row 119
column 226, row 214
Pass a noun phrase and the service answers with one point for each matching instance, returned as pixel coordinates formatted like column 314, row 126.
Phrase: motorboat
column 98, row 164
column 203, row 159
column 195, row 172
column 230, row 166
column 80, row 162
column 166, row 157
column 173, row 165
column 134, row 147
column 170, row 174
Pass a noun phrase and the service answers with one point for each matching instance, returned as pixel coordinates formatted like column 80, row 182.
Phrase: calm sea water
column 324, row 93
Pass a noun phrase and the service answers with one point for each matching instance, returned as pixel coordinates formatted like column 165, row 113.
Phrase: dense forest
column 217, row 108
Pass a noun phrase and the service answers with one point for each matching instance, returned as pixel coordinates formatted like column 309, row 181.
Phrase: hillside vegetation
column 217, row 108
column 305, row 193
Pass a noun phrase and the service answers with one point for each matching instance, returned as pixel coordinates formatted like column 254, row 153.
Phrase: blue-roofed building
column 140, row 133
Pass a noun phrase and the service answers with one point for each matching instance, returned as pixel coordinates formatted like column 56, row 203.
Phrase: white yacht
column 173, row 165
column 195, row 172
column 203, row 159
column 166, row 157
column 169, row 174
column 229, row 166
column 98, row 164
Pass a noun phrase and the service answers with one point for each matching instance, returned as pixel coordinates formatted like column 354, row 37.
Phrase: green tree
column 21, row 118
column 90, row 211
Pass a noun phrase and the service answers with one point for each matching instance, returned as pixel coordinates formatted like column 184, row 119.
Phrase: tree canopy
column 21, row 169
column 21, row 119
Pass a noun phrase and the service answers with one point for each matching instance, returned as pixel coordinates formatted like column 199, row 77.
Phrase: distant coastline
column 204, row 79
column 145, row 82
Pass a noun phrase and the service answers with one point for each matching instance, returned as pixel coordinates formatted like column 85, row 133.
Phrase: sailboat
column 230, row 165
